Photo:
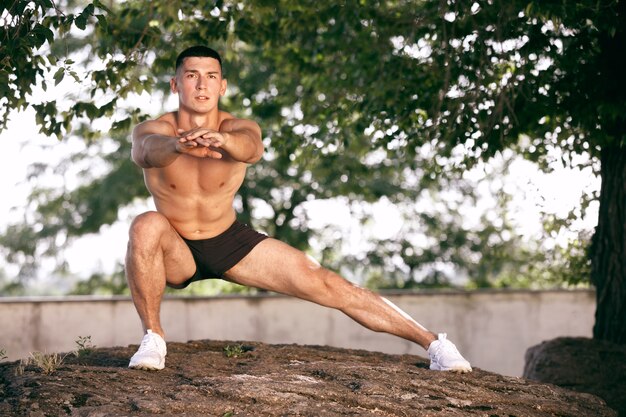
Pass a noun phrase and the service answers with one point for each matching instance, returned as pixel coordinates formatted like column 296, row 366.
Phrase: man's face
column 199, row 84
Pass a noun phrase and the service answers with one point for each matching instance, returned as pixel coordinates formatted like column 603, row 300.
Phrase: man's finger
column 203, row 142
column 214, row 154
column 188, row 143
column 214, row 139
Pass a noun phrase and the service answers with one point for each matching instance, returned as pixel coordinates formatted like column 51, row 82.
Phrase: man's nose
column 201, row 84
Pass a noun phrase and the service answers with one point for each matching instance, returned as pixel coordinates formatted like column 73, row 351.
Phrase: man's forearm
column 157, row 151
column 243, row 146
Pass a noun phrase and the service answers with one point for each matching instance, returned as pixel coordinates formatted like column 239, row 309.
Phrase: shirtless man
column 194, row 160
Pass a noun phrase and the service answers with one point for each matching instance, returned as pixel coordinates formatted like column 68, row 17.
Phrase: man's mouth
column 203, row 98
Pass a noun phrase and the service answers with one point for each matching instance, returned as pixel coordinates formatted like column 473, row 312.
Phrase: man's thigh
column 179, row 263
column 156, row 244
column 276, row 266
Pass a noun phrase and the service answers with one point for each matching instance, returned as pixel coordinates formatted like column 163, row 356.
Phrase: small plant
column 19, row 370
column 47, row 363
column 233, row 351
column 85, row 347
column 3, row 354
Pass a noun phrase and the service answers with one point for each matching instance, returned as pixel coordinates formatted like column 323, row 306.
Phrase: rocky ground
column 211, row 378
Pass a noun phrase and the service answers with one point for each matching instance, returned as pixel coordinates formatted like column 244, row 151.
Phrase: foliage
column 28, row 27
column 103, row 284
column 367, row 100
column 84, row 346
column 10, row 287
column 235, row 351
column 42, row 362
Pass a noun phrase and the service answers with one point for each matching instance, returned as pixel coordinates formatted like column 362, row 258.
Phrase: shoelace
column 149, row 343
column 441, row 348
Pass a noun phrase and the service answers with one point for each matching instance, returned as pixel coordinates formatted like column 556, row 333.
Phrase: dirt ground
column 219, row 378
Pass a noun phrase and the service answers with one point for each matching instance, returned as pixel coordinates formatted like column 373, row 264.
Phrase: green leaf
column 81, row 21
column 89, row 10
column 100, row 5
column 102, row 22
column 59, row 75
column 43, row 34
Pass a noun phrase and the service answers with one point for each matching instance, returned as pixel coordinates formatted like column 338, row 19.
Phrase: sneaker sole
column 458, row 370
column 145, row 367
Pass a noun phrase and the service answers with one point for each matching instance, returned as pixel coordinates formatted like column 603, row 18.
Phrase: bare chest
column 197, row 177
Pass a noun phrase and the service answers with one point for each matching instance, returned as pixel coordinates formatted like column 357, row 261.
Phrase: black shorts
column 216, row 255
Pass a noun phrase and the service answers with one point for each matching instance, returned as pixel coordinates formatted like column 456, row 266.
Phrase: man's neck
column 186, row 120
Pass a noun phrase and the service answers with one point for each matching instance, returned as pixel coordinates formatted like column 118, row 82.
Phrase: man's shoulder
column 165, row 124
column 167, row 120
column 229, row 122
column 225, row 117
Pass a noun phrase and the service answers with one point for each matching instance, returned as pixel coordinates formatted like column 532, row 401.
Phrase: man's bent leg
column 155, row 254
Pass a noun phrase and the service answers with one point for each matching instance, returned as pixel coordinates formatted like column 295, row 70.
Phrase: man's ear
column 224, row 85
column 173, row 85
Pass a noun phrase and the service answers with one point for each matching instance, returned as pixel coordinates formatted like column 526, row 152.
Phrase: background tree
column 28, row 28
column 476, row 76
column 325, row 167
column 391, row 96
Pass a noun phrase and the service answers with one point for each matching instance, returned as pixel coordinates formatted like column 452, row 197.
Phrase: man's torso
column 196, row 194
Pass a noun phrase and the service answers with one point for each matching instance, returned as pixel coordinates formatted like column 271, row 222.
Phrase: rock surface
column 211, row 378
column 581, row 364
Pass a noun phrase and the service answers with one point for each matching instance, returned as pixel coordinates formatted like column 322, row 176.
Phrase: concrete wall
column 492, row 329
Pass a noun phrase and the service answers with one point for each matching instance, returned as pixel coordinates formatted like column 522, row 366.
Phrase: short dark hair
column 198, row 51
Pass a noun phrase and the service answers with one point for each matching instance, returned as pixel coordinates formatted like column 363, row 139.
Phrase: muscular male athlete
column 194, row 160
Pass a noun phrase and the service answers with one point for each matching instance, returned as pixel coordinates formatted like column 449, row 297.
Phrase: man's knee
column 333, row 290
column 148, row 227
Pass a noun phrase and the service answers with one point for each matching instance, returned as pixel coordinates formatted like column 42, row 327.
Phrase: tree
column 465, row 80
column 477, row 76
column 292, row 175
column 28, row 26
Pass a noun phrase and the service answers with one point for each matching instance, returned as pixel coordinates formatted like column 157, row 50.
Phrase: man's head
column 199, row 51
column 198, row 80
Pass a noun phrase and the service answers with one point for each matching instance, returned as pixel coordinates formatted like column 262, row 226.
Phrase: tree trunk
column 608, row 250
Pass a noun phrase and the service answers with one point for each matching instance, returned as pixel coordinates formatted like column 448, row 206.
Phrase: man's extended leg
column 278, row 267
column 155, row 254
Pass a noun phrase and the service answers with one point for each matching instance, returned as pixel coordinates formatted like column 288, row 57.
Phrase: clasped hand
column 201, row 142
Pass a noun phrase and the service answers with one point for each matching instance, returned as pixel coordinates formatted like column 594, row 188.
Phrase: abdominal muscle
column 196, row 195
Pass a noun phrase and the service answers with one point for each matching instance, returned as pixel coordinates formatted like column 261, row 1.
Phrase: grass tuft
column 46, row 363
column 84, row 346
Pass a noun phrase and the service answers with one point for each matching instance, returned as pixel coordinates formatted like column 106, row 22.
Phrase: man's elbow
column 139, row 160
column 258, row 154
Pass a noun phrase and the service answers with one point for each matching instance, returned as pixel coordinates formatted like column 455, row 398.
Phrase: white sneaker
column 444, row 356
column 151, row 353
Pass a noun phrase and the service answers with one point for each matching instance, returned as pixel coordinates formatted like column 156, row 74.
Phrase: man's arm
column 244, row 138
column 155, row 145
column 240, row 138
